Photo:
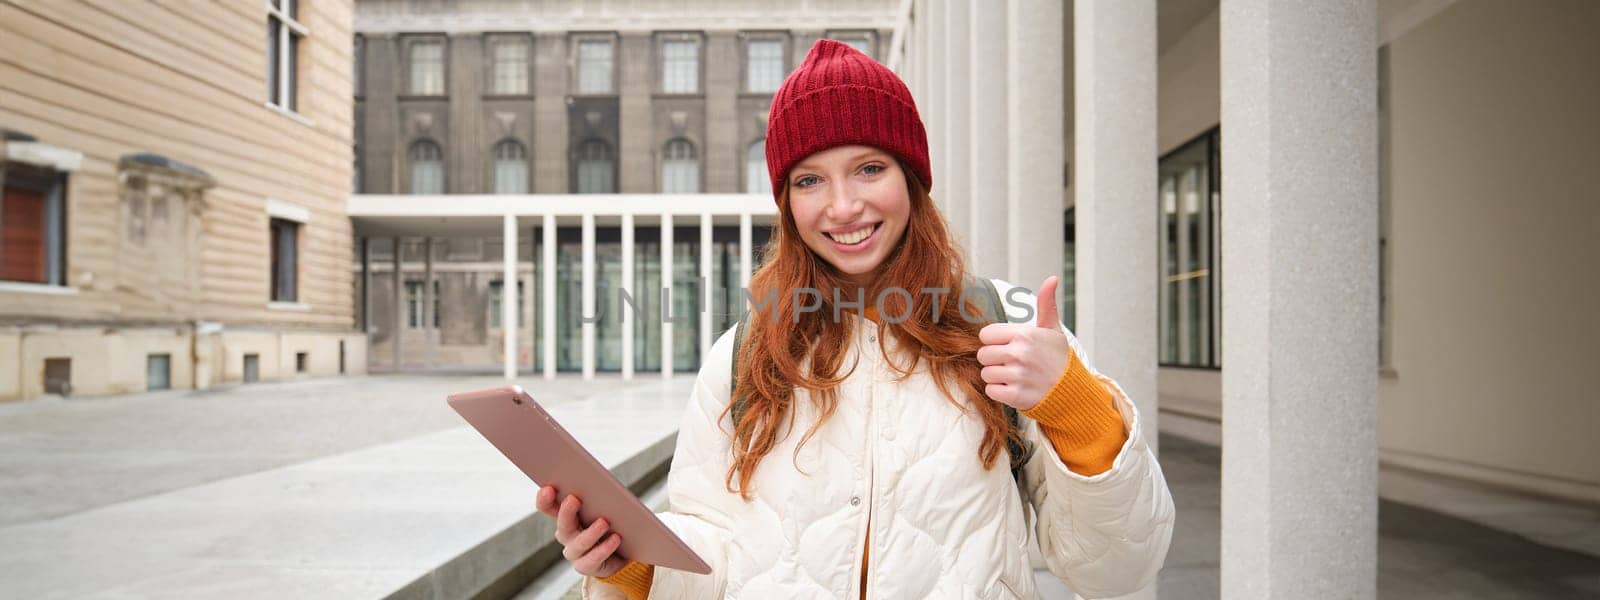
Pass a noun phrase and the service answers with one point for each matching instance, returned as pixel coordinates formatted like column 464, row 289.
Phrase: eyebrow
column 858, row 157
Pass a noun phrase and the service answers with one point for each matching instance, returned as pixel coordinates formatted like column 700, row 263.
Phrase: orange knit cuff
column 633, row 578
column 1083, row 424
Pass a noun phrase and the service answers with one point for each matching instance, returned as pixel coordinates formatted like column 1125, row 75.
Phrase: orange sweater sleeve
column 633, row 578
column 1083, row 424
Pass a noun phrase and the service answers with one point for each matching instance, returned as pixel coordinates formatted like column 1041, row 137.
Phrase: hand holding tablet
column 592, row 549
column 601, row 523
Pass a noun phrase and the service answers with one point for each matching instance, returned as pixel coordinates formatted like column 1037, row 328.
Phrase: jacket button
column 872, row 338
column 855, row 501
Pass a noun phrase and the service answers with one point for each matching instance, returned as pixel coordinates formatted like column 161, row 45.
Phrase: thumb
column 1049, row 317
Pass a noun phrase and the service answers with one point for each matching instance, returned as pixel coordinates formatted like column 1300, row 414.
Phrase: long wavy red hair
column 775, row 349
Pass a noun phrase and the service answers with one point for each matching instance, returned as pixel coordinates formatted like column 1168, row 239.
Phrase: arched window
column 680, row 168
column 510, row 168
column 756, row 179
column 597, row 168
column 427, row 168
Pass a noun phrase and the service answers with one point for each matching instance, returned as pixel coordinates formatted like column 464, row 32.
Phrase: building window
column 594, row 67
column 427, row 168
column 680, row 168
column 680, row 67
column 597, row 168
column 861, row 41
column 284, row 36
column 427, row 68
column 1189, row 200
column 302, row 361
column 756, row 178
column 510, row 168
column 1069, row 272
column 358, row 53
column 285, row 236
column 252, row 367
column 510, row 66
column 414, row 316
column 764, row 66
column 33, row 225
column 497, row 298
column 414, row 304
column 158, row 372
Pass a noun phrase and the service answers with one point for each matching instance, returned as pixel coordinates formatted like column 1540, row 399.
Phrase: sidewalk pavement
column 338, row 488
column 372, row 486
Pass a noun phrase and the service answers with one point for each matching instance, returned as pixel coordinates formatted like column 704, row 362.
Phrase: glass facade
column 644, row 300
column 1189, row 206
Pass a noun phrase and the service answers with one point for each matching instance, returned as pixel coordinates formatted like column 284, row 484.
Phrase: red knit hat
column 839, row 96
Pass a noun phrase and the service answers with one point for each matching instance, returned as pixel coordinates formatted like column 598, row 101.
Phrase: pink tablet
column 522, row 430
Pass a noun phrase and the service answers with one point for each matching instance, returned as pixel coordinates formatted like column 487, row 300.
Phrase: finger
column 1000, row 392
column 591, row 562
column 997, row 354
column 999, row 374
column 580, row 544
column 546, row 500
column 567, row 521
column 1000, row 333
column 1049, row 317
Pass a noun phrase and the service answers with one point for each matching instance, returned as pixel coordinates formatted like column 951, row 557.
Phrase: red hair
column 771, row 356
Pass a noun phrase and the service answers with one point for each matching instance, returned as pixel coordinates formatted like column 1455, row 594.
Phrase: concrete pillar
column 625, row 312
column 707, row 308
column 400, row 308
column 587, row 296
column 366, row 285
column 508, row 293
column 428, row 331
column 957, row 150
column 1036, row 105
column 933, row 115
column 987, row 206
column 664, row 301
column 1299, row 273
column 548, row 272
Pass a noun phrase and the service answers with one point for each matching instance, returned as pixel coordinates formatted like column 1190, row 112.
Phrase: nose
column 844, row 205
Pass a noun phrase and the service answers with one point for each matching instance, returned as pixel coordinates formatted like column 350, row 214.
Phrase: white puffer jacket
column 899, row 453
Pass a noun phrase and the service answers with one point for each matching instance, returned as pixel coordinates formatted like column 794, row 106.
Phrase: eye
column 872, row 169
column 805, row 181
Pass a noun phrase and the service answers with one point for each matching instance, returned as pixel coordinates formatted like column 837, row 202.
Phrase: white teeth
column 853, row 237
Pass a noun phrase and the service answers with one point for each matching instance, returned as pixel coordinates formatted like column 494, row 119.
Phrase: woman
column 899, row 485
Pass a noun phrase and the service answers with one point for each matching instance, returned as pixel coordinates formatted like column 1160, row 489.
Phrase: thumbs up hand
column 1022, row 361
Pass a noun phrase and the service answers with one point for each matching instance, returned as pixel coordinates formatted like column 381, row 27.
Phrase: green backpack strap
column 738, row 401
column 988, row 300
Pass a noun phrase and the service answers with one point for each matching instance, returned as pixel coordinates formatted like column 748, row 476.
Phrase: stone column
column 428, row 318
column 987, row 205
column 508, row 293
column 954, row 176
column 1299, row 276
column 1036, row 108
column 933, row 109
column 400, row 309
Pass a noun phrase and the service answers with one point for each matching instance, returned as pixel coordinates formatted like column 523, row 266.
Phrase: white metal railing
column 445, row 215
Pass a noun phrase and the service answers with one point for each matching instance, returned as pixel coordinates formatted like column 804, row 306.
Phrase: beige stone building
column 174, row 189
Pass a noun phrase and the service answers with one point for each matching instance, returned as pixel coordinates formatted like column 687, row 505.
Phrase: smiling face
column 851, row 206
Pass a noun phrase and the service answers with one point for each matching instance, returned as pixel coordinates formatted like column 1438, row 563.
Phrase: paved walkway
column 352, row 487
column 338, row 488
column 1423, row 554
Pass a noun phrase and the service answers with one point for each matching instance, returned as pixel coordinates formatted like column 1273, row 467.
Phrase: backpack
column 988, row 300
